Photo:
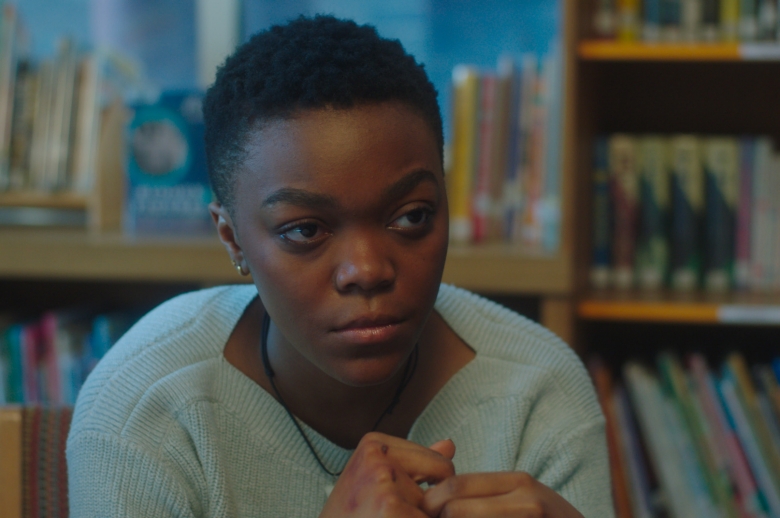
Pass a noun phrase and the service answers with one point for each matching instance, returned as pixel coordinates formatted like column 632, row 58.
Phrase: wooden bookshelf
column 601, row 50
column 694, row 308
column 65, row 200
column 80, row 255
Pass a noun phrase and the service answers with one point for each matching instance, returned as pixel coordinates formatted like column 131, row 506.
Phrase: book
column 22, row 126
column 503, row 128
column 728, row 453
column 767, row 20
column 690, row 20
column 602, row 379
column 687, row 205
column 481, row 208
column 601, row 242
column 624, row 185
column 83, row 166
column 721, row 181
column 744, row 212
column 671, row 20
column 651, row 24
column 730, row 20
column 168, row 189
column 652, row 254
column 628, row 20
column 8, row 65
column 465, row 81
column 761, row 240
column 710, row 20
column 748, row 20
column 605, row 19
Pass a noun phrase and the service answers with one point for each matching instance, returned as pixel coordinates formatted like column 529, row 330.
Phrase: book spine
column 636, row 465
column 671, row 20
column 687, row 204
column 653, row 242
column 502, row 150
column 760, row 230
column 710, row 18
column 739, row 422
column 744, row 207
column 551, row 193
column 624, row 186
column 534, row 176
column 729, row 20
column 7, row 80
column 605, row 19
column 628, row 20
column 525, row 143
column 767, row 20
column 651, row 25
column 601, row 244
column 466, row 89
column 691, row 20
column 721, row 173
column 748, row 20
column 481, row 204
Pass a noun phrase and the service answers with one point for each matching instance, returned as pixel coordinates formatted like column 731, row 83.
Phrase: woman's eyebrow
column 301, row 198
column 408, row 183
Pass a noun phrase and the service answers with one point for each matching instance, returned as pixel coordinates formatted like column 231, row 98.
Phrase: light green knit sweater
column 165, row 426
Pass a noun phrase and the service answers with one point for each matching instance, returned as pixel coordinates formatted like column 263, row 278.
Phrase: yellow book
column 729, row 20
column 10, row 462
column 465, row 81
column 628, row 20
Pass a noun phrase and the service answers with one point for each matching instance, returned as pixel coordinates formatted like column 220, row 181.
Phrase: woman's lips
column 364, row 333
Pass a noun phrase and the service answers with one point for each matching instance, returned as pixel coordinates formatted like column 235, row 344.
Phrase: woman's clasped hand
column 382, row 480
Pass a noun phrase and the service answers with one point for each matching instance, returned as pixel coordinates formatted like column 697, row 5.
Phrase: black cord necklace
column 409, row 368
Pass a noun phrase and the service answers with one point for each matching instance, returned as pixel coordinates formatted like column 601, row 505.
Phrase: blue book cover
column 167, row 180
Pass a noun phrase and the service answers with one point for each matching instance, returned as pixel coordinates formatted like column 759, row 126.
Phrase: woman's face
column 341, row 217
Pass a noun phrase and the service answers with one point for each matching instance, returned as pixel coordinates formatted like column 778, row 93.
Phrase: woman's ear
column 226, row 230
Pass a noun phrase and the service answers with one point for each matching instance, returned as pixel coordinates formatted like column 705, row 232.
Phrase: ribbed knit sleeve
column 111, row 477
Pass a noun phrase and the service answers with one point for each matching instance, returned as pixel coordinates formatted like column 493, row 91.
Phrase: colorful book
column 624, row 185
column 740, row 424
column 728, row 452
column 8, row 65
column 605, row 19
column 535, row 164
column 465, row 81
column 721, row 180
column 168, row 189
column 481, row 207
column 636, row 467
column 748, row 20
column 628, row 20
column 729, row 20
column 601, row 243
column 744, row 212
column 602, row 380
column 671, row 20
column 651, row 24
column 710, row 20
column 687, row 207
column 502, row 130
column 652, row 254
column 690, row 20
column 762, row 239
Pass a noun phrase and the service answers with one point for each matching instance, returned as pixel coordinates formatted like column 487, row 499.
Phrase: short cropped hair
column 308, row 63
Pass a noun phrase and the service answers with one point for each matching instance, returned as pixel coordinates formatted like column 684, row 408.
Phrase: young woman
column 346, row 381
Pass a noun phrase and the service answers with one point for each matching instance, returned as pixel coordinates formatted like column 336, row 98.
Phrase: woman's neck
column 339, row 412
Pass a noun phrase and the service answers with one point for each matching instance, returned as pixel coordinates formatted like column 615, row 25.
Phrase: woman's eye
column 413, row 219
column 303, row 233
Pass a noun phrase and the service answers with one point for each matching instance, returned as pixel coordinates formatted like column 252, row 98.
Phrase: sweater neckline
column 267, row 420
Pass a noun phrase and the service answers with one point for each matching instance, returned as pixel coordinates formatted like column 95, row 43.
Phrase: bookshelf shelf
column 599, row 50
column 80, row 255
column 43, row 200
column 699, row 308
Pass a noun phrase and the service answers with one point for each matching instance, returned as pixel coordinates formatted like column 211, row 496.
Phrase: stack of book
column 49, row 125
column 687, row 442
column 504, row 174
column 686, row 211
column 46, row 361
column 687, row 20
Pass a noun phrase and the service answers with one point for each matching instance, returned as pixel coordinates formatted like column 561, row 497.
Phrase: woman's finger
column 421, row 464
column 507, row 505
column 472, row 485
column 446, row 448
